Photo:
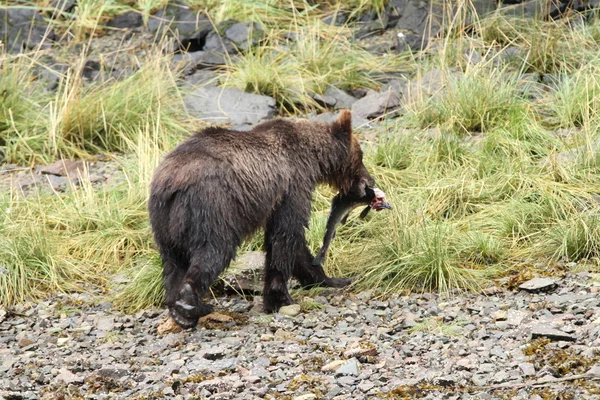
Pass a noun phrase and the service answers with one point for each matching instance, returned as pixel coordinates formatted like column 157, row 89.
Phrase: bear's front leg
column 284, row 241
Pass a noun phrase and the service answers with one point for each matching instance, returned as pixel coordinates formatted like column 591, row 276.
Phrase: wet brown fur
column 220, row 186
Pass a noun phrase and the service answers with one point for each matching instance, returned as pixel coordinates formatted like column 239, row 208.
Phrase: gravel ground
column 517, row 344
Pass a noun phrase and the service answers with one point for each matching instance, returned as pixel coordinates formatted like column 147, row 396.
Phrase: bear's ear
column 342, row 128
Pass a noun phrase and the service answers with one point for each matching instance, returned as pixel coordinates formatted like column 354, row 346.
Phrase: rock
column 190, row 27
column 199, row 60
column 365, row 386
column 68, row 377
column 308, row 396
column 70, row 168
column 376, row 104
column 528, row 369
column 515, row 317
column 128, row 20
column 23, row 28
column 201, row 77
column 229, row 106
column 323, row 100
column 245, row 34
column 500, row 315
column 332, row 366
column 105, row 323
column 551, row 333
column 291, row 310
column 342, row 99
column 360, row 352
column 538, row 284
column 595, row 370
column 215, row 353
column 169, row 326
column 25, row 341
column 349, row 368
column 216, row 317
column 113, row 373
column 246, row 273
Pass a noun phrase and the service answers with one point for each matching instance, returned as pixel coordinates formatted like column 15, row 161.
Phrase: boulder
column 229, row 106
column 376, row 104
column 23, row 28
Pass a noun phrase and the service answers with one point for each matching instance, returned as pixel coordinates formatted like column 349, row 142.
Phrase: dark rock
column 128, row 20
column 376, row 104
column 229, row 106
column 538, row 285
column 342, row 99
column 63, row 5
column 551, row 333
column 23, row 28
column 91, row 69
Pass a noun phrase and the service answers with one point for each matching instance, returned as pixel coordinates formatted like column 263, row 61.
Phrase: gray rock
column 551, row 333
column 215, row 353
column 515, row 317
column 229, row 106
column 527, row 368
column 244, row 34
column 323, row 100
column 538, row 284
column 342, row 99
column 349, row 368
column 376, row 104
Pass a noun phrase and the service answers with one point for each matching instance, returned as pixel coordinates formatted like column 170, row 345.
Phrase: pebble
column 538, row 284
column 350, row 367
column 292, row 310
column 316, row 355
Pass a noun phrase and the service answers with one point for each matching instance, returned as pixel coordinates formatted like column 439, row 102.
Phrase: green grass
column 480, row 180
column 320, row 56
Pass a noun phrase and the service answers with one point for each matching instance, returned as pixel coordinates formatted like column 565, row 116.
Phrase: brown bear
column 220, row 186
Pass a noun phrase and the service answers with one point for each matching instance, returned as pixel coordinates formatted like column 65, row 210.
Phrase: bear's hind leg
column 207, row 263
